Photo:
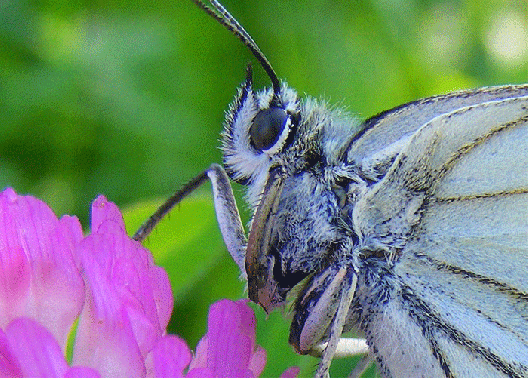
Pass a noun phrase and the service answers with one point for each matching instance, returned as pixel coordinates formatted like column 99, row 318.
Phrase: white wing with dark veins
column 456, row 198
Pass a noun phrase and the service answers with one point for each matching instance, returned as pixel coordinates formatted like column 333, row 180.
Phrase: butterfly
column 410, row 227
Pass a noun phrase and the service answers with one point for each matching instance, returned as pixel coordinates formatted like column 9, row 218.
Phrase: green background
column 126, row 98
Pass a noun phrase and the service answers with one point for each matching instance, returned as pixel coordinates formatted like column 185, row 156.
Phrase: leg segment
column 225, row 207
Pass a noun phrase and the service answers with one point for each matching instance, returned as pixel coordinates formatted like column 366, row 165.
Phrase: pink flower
column 227, row 350
column 51, row 276
column 38, row 275
column 28, row 349
column 103, row 294
column 128, row 299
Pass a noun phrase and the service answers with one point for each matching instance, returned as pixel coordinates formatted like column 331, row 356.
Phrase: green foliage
column 126, row 98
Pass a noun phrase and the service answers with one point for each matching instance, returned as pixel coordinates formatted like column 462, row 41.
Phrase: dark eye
column 267, row 127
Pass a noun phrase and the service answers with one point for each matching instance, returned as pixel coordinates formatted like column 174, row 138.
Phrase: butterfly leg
column 225, row 207
column 349, row 347
column 347, row 290
column 321, row 313
column 228, row 216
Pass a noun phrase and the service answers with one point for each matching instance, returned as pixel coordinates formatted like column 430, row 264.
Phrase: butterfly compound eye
column 267, row 128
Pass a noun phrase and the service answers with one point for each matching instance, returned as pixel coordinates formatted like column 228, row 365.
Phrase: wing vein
column 429, row 320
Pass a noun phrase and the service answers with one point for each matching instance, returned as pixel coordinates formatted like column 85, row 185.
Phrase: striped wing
column 455, row 207
column 392, row 125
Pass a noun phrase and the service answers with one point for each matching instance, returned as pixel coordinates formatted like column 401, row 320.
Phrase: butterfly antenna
column 220, row 14
column 147, row 227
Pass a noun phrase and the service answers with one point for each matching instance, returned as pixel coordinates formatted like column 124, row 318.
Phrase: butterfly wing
column 450, row 298
column 393, row 125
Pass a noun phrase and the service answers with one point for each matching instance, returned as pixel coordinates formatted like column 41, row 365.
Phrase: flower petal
column 81, row 372
column 201, row 373
column 105, row 339
column 291, row 372
column 9, row 366
column 133, row 265
column 258, row 361
column 169, row 358
column 104, row 211
column 124, row 316
column 38, row 275
column 35, row 349
column 228, row 348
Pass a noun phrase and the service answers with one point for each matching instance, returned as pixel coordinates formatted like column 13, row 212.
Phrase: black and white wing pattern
column 443, row 267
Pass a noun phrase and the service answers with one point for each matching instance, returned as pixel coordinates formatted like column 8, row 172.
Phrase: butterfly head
column 259, row 127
